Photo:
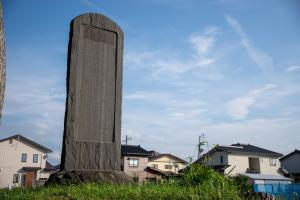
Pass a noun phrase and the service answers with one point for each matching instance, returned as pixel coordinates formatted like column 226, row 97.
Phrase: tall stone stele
column 2, row 61
column 92, row 128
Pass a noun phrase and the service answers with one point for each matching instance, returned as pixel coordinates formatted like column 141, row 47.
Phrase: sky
column 227, row 68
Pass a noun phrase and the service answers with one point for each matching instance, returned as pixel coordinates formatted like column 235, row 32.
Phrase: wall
column 238, row 164
column 10, row 161
column 242, row 163
column 136, row 171
column 292, row 163
column 166, row 160
column 214, row 159
column 266, row 168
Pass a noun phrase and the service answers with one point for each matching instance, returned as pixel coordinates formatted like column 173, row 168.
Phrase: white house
column 242, row 159
column 22, row 162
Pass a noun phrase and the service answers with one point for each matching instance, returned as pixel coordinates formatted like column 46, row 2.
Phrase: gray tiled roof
column 132, row 150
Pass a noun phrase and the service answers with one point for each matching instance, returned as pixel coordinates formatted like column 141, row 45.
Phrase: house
column 143, row 165
column 290, row 165
column 242, row 158
column 167, row 163
column 134, row 161
column 22, row 162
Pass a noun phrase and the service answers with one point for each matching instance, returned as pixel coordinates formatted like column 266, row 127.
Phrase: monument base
column 88, row 176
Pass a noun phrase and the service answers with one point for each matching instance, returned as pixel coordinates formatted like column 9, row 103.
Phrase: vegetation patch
column 197, row 183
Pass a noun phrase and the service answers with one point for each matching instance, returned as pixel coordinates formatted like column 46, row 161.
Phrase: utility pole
column 127, row 138
column 200, row 144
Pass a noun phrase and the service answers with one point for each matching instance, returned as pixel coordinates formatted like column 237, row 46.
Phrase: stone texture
column 78, row 177
column 92, row 128
column 2, row 61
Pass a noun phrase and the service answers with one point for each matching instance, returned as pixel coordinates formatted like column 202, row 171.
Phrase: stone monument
column 92, row 129
column 2, row 61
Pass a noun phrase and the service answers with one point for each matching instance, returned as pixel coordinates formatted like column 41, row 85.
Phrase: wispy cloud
column 172, row 65
column 238, row 108
column 293, row 68
column 203, row 43
column 55, row 156
column 263, row 60
column 264, row 132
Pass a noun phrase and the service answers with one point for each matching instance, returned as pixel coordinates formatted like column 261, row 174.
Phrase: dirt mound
column 84, row 176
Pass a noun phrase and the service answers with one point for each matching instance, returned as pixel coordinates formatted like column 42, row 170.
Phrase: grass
column 197, row 183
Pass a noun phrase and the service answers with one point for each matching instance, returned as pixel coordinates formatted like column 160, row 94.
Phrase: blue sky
column 226, row 68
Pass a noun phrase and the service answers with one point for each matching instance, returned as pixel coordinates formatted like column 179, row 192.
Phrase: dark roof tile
column 133, row 150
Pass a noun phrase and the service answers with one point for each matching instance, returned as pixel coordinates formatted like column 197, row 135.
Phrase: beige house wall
column 136, row 171
column 240, row 163
column 10, row 161
column 166, row 160
column 266, row 168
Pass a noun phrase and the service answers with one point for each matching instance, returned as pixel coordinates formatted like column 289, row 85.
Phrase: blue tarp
column 289, row 191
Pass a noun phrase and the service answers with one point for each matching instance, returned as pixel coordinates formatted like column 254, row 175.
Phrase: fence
column 288, row 191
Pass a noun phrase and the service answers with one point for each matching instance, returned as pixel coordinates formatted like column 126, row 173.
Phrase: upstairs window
column 168, row 166
column 35, row 158
column 272, row 162
column 133, row 162
column 24, row 157
column 155, row 166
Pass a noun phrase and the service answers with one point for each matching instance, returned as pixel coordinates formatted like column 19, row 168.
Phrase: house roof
column 290, row 154
column 160, row 172
column 266, row 177
column 24, row 139
column 50, row 167
column 31, row 168
column 242, row 149
column 152, row 158
column 133, row 150
column 154, row 153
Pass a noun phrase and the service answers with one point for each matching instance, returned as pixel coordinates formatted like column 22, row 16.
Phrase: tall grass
column 197, row 183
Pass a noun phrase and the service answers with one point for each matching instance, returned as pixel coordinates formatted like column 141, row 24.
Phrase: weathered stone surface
column 83, row 176
column 2, row 61
column 92, row 128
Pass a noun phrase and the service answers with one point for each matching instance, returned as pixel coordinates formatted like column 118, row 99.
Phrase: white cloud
column 238, row 108
column 42, row 128
column 166, row 65
column 260, row 132
column 293, row 68
column 263, row 60
column 55, row 156
column 204, row 43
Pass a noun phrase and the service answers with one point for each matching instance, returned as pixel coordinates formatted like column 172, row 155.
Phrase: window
column 133, row 162
column 35, row 158
column 16, row 178
column 272, row 162
column 24, row 157
column 168, row 166
column 10, row 141
column 136, row 179
column 155, row 166
column 221, row 159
